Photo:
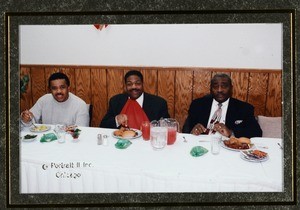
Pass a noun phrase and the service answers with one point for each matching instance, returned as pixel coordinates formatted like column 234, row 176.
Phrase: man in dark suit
column 237, row 117
column 135, row 105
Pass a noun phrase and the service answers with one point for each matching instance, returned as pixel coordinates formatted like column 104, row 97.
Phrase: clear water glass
column 158, row 137
column 61, row 133
column 215, row 144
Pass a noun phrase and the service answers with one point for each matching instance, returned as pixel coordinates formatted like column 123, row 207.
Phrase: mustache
column 220, row 94
column 134, row 90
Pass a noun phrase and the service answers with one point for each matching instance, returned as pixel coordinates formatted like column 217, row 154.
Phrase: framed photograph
column 21, row 35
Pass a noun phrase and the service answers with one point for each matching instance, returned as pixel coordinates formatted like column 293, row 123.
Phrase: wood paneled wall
column 179, row 86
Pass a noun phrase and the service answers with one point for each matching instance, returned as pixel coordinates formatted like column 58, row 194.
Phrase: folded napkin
column 48, row 137
column 135, row 114
column 123, row 144
column 198, row 151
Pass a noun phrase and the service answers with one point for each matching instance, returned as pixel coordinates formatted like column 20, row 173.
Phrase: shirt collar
column 225, row 103
column 140, row 99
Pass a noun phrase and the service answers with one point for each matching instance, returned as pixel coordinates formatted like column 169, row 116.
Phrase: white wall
column 190, row 45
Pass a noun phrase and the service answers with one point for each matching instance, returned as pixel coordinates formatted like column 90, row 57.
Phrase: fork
column 34, row 125
column 124, row 126
column 31, row 118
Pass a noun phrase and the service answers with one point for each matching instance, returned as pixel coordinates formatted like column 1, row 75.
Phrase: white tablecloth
column 85, row 167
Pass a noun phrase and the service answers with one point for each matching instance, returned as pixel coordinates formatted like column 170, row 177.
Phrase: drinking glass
column 60, row 131
column 215, row 144
column 145, row 128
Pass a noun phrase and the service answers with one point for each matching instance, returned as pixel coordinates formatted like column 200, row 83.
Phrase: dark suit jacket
column 155, row 108
column 239, row 117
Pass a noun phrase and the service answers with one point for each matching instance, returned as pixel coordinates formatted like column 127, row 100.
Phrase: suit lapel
column 206, row 111
column 231, row 111
column 121, row 102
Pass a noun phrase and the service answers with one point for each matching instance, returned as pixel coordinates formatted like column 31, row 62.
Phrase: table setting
column 104, row 161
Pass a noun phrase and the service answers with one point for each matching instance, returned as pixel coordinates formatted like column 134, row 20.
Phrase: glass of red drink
column 172, row 133
column 146, row 130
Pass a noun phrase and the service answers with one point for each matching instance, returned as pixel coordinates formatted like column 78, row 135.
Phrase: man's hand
column 122, row 119
column 198, row 129
column 222, row 129
column 26, row 116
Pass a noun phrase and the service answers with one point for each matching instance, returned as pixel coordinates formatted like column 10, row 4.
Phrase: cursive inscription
column 61, row 168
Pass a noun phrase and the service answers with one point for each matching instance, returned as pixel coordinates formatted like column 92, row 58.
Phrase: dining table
column 85, row 165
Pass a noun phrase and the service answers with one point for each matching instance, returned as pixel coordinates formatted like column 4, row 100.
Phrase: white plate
column 252, row 159
column 29, row 140
column 139, row 134
column 236, row 150
column 40, row 128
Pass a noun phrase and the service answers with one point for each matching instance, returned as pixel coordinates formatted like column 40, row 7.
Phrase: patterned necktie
column 215, row 119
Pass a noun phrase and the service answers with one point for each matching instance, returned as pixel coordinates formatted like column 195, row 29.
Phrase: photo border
column 11, row 58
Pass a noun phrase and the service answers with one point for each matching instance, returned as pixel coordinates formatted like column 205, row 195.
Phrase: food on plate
column 28, row 136
column 118, row 133
column 238, row 143
column 129, row 133
column 39, row 128
column 254, row 155
column 244, row 140
column 125, row 132
column 258, row 154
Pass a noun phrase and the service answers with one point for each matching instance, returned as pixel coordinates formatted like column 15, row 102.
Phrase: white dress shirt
column 140, row 100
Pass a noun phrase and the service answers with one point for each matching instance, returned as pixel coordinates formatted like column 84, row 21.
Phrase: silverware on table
column 32, row 118
column 280, row 146
column 204, row 140
column 184, row 139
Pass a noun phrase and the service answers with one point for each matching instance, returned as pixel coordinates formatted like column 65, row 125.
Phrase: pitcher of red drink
column 172, row 129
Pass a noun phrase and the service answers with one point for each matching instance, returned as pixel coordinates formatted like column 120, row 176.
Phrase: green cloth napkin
column 123, row 144
column 198, row 151
column 48, row 137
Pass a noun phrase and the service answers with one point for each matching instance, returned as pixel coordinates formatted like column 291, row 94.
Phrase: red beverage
column 146, row 130
column 171, row 135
